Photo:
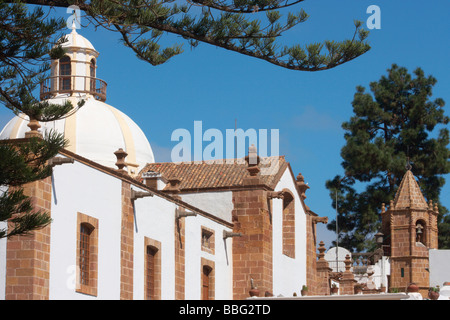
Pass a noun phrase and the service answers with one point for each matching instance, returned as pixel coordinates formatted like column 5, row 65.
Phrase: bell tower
column 410, row 229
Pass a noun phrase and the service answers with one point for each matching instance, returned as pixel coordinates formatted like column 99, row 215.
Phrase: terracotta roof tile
column 215, row 174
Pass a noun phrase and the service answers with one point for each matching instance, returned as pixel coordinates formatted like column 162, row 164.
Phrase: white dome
column 95, row 132
column 75, row 40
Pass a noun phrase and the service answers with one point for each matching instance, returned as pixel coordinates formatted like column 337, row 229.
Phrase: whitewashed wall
column 154, row 219
column 222, row 258
column 288, row 274
column 219, row 203
column 80, row 188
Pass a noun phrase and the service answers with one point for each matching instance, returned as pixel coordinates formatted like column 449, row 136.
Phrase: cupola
column 75, row 74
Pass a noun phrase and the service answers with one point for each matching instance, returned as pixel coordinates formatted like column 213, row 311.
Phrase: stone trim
column 157, row 265
column 212, row 278
column 207, row 245
column 28, row 256
column 91, row 288
column 288, row 224
column 126, row 244
column 180, row 256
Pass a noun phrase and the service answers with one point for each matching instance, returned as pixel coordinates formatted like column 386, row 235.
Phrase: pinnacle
column 408, row 194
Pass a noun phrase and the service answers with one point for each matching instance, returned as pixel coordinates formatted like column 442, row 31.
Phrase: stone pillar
column 323, row 272
column 252, row 252
column 347, row 282
column 28, row 256
column 126, row 244
column 180, row 256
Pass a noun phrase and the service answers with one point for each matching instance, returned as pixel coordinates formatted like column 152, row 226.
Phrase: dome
column 95, row 132
column 76, row 40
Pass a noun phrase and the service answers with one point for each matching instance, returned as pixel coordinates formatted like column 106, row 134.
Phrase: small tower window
column 92, row 75
column 65, row 72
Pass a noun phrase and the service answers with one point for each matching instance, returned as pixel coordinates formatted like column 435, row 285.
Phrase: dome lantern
column 96, row 130
column 75, row 73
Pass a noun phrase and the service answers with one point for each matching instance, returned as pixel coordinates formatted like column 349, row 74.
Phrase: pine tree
column 396, row 125
column 24, row 55
column 248, row 27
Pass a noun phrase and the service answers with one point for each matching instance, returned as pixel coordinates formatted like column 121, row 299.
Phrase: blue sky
column 216, row 86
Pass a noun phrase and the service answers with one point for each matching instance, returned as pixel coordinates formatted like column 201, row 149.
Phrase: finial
column 121, row 155
column 74, row 24
column 408, row 165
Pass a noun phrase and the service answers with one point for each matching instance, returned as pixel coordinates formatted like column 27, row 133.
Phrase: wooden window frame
column 210, row 266
column 65, row 78
column 90, row 287
column 155, row 246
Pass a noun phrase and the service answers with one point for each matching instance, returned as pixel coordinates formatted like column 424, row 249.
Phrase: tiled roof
column 408, row 194
column 213, row 174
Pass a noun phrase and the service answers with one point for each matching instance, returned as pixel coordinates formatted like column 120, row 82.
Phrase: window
column 288, row 224
column 85, row 232
column 92, row 74
column 207, row 240
column 65, row 72
column 207, row 279
column 152, row 270
column 205, row 282
column 150, row 277
column 87, row 254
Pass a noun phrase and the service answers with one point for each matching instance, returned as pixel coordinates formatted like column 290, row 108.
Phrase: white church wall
column 288, row 274
column 439, row 267
column 80, row 188
column 222, row 258
column 154, row 219
column 218, row 203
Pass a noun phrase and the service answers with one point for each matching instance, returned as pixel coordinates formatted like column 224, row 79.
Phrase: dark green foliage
column 249, row 27
column 25, row 44
column 396, row 122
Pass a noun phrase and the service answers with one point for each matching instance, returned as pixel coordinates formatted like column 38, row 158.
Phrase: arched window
column 420, row 232
column 65, row 72
column 92, row 75
column 87, row 254
column 288, row 224
column 206, row 275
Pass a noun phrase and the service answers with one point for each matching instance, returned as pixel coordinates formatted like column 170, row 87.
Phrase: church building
column 125, row 227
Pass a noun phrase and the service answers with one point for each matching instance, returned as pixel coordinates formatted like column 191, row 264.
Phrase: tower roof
column 408, row 194
column 76, row 40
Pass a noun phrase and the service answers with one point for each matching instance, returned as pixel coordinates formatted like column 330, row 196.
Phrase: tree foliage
column 24, row 58
column 396, row 124
column 249, row 27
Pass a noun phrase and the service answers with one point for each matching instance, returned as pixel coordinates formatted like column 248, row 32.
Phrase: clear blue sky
column 216, row 86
